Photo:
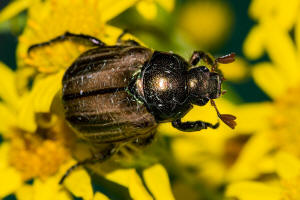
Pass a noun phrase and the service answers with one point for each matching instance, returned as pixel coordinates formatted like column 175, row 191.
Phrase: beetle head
column 203, row 85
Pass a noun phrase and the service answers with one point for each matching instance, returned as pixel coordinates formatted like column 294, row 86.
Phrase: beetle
column 117, row 95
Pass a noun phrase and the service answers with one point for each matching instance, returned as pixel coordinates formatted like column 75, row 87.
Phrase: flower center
column 40, row 154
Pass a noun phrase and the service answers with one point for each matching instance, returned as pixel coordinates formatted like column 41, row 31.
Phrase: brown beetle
column 117, row 95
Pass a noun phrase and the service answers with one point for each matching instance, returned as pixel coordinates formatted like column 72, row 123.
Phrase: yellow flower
column 148, row 8
column 271, row 155
column 287, row 188
column 37, row 142
column 223, row 156
column 279, row 78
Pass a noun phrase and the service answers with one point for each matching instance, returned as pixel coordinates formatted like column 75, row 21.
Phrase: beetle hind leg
column 100, row 157
column 88, row 40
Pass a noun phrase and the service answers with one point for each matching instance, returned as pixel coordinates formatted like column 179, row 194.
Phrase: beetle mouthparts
column 228, row 119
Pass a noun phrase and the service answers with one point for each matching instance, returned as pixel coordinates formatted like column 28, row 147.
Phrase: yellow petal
column 10, row 178
column 8, row 90
column 193, row 149
column 253, row 46
column 109, row 9
column 288, row 166
column 269, row 80
column 26, row 115
column 14, row 8
column 252, row 190
column 297, row 37
column 79, row 184
column 137, row 189
column 10, row 181
column 46, row 189
column 64, row 195
column 253, row 159
column 157, row 181
column 281, row 13
column 7, row 118
column 167, row 4
column 286, row 13
column 147, row 9
column 129, row 178
column 100, row 196
column 282, row 52
column 120, row 176
column 44, row 90
column 4, row 153
column 24, row 76
column 49, row 188
column 259, row 9
column 25, row 193
column 253, row 117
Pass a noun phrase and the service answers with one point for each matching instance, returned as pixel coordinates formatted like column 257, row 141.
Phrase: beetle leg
column 69, row 36
column 193, row 126
column 198, row 55
column 126, row 42
column 144, row 141
column 103, row 156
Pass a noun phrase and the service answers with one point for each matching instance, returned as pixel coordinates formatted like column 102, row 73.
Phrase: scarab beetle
column 117, row 95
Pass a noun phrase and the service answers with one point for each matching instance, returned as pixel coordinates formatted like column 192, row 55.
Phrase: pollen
column 40, row 154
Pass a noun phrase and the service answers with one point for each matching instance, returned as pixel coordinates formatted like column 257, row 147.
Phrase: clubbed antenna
column 229, row 58
column 226, row 118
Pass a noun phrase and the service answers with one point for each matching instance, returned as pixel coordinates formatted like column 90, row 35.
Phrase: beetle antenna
column 226, row 118
column 229, row 58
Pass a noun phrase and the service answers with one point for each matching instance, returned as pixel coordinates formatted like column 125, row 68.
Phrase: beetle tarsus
column 69, row 171
column 69, row 36
column 193, row 126
column 126, row 42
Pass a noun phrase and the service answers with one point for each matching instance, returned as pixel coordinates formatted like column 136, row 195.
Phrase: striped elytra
column 96, row 101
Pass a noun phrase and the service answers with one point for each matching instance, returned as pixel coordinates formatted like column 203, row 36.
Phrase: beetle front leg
column 193, row 126
column 198, row 55
column 69, row 36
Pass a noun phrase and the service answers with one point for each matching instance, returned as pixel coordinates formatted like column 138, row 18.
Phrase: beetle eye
column 204, row 69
